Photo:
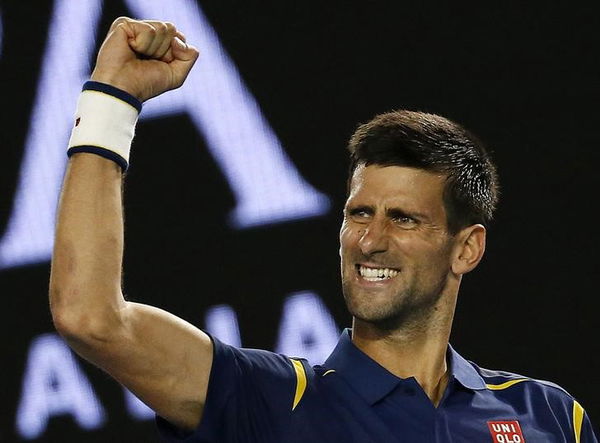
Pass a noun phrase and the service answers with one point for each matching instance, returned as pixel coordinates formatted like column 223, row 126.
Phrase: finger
column 119, row 30
column 159, row 38
column 184, row 57
column 168, row 56
column 116, row 47
column 165, row 42
column 144, row 35
column 181, row 35
column 182, row 51
column 119, row 21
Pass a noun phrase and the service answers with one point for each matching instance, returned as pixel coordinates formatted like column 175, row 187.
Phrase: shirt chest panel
column 333, row 412
column 480, row 416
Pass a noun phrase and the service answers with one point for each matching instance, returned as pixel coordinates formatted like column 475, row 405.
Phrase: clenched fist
column 144, row 57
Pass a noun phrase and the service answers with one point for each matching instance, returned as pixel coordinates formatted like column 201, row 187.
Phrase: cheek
column 345, row 235
column 420, row 250
column 347, row 240
column 433, row 257
column 406, row 245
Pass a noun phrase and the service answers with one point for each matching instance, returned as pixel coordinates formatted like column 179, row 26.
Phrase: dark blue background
column 523, row 78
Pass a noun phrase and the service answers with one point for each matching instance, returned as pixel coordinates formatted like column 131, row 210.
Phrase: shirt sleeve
column 250, row 396
column 587, row 431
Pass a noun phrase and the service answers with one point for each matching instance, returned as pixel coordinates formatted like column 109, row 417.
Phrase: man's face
column 394, row 246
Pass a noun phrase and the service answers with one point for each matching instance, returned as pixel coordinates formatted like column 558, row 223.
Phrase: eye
column 404, row 221
column 359, row 214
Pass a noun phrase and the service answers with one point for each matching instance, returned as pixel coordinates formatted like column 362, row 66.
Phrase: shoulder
column 517, row 386
column 542, row 400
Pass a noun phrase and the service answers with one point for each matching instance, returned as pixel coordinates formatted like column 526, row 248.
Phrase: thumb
column 184, row 57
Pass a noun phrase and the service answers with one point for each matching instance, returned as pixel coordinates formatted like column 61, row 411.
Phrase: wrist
column 105, row 122
column 115, row 81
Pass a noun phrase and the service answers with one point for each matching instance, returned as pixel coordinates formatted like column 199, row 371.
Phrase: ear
column 469, row 249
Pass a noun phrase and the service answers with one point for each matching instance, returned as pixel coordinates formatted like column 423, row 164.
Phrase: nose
column 373, row 238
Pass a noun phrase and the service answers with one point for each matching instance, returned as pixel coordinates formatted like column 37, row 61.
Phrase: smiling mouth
column 376, row 274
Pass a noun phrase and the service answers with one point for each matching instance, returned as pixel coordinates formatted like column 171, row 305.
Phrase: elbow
column 91, row 338
column 62, row 316
column 80, row 324
column 76, row 329
column 70, row 326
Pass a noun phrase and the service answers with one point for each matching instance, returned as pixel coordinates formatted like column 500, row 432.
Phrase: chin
column 386, row 316
column 383, row 321
column 363, row 309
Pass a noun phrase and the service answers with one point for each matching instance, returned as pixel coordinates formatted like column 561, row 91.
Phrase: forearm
column 85, row 281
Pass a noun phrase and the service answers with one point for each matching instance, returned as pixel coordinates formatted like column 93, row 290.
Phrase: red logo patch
column 506, row 431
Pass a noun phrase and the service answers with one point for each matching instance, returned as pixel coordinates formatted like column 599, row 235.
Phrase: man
column 420, row 193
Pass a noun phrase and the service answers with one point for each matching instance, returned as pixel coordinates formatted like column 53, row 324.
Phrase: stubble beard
column 409, row 309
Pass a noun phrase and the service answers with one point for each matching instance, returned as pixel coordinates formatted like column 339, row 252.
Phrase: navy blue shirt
column 260, row 396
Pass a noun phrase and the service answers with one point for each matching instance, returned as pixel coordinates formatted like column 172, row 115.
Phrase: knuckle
column 120, row 20
column 161, row 28
column 151, row 29
column 170, row 27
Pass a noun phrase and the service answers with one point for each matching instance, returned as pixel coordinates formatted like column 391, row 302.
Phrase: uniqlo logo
column 506, row 431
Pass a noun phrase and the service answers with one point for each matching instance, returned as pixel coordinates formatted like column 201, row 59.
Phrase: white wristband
column 105, row 122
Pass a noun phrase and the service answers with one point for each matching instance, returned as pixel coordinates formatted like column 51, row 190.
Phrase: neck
column 410, row 352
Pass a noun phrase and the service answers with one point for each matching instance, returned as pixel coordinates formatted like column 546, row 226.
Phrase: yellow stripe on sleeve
column 505, row 385
column 577, row 420
column 300, row 382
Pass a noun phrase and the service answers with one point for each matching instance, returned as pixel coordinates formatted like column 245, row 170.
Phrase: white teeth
column 376, row 274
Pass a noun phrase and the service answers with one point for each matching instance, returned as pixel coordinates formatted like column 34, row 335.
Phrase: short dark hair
column 436, row 144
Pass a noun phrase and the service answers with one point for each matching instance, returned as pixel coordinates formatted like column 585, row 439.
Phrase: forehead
column 396, row 185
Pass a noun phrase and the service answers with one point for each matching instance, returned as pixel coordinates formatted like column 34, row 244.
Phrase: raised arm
column 161, row 358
